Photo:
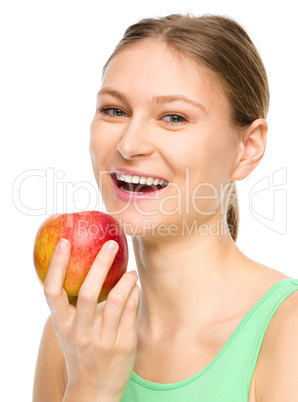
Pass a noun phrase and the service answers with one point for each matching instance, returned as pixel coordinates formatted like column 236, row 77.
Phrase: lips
column 125, row 194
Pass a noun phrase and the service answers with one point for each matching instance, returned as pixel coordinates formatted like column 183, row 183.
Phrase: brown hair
column 222, row 45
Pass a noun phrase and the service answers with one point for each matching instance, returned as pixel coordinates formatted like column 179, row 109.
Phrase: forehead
column 150, row 68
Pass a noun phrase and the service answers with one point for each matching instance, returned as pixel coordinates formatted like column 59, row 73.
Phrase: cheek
column 101, row 143
column 205, row 159
column 215, row 152
column 94, row 146
column 222, row 155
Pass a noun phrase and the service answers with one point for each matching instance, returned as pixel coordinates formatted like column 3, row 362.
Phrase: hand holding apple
column 87, row 232
column 98, row 341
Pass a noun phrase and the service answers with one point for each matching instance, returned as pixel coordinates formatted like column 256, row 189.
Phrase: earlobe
column 253, row 146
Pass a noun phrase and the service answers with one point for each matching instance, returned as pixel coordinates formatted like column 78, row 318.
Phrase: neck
column 184, row 280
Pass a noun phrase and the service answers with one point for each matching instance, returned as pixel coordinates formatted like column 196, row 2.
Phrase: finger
column 128, row 318
column 92, row 285
column 115, row 303
column 53, row 285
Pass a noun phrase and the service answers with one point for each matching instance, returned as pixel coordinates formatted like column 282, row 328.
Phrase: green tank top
column 227, row 377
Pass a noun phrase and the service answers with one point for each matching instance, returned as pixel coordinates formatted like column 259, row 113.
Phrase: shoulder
column 277, row 374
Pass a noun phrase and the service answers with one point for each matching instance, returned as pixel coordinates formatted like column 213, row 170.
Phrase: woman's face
column 143, row 128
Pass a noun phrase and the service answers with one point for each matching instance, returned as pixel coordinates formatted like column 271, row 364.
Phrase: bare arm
column 50, row 372
column 278, row 376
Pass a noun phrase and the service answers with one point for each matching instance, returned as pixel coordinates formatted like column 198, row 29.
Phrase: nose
column 135, row 141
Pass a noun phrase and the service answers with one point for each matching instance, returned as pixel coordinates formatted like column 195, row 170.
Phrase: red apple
column 87, row 232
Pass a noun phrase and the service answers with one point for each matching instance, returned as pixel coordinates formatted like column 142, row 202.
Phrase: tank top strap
column 254, row 332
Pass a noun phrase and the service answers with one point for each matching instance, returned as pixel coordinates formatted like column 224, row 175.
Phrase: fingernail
column 134, row 272
column 110, row 246
column 62, row 245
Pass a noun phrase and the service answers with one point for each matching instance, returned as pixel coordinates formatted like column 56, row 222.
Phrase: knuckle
column 103, row 346
column 50, row 292
column 128, row 347
column 87, row 296
column 131, row 305
column 124, row 350
column 80, row 341
column 132, row 344
column 116, row 297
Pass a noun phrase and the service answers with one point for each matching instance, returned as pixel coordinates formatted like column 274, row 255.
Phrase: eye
column 115, row 111
column 176, row 118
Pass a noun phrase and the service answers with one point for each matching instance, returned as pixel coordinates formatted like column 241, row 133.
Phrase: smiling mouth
column 137, row 188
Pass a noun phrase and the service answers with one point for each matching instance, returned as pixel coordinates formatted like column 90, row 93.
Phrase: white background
column 52, row 56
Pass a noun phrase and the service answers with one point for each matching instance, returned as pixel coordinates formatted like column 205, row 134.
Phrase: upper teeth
column 139, row 179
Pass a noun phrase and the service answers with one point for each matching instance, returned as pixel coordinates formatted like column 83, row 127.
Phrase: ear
column 251, row 148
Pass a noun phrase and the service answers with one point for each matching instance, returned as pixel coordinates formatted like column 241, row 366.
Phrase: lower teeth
column 129, row 192
column 122, row 187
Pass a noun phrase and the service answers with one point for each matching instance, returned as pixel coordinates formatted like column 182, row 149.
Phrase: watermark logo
column 276, row 194
column 59, row 197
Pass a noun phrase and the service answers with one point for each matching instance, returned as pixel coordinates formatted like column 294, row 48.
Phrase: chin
column 135, row 224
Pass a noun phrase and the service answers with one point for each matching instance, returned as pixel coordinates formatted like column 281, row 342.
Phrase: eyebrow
column 156, row 99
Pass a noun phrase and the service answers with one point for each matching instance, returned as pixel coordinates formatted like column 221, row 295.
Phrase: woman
column 180, row 117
